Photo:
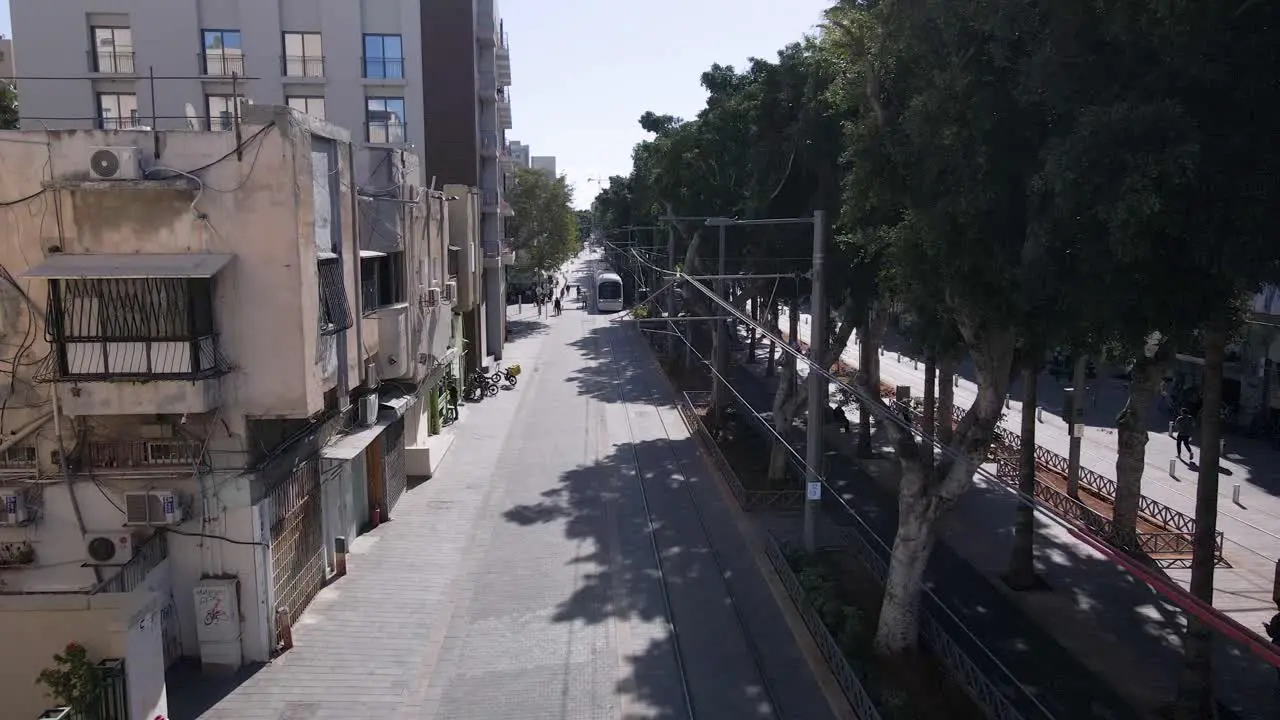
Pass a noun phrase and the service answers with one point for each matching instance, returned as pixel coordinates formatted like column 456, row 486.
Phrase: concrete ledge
column 422, row 460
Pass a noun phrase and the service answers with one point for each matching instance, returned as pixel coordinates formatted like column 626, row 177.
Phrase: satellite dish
column 193, row 120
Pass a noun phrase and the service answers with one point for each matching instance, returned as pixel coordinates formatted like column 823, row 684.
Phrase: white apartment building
column 195, row 424
column 545, row 163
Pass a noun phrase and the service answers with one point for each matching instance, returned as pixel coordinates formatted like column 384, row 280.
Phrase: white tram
column 608, row 291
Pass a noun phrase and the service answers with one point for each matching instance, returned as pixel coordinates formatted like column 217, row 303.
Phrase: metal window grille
column 108, row 328
column 335, row 311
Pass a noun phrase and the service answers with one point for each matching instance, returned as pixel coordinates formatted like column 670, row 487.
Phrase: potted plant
column 74, row 680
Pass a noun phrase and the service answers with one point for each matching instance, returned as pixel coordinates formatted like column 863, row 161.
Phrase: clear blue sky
column 583, row 71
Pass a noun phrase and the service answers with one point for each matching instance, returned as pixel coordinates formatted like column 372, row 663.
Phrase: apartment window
column 113, row 50
column 335, row 311
column 134, row 328
column 117, row 111
column 303, row 56
column 19, row 456
column 223, row 110
column 313, row 106
column 384, row 119
column 223, row 54
column 383, row 57
column 381, row 281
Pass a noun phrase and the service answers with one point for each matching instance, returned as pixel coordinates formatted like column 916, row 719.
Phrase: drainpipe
column 66, row 473
column 355, row 231
column 26, row 431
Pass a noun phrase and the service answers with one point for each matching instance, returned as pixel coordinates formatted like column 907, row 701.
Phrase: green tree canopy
column 8, row 107
column 544, row 228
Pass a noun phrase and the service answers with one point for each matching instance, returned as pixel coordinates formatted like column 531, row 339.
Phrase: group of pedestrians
column 542, row 298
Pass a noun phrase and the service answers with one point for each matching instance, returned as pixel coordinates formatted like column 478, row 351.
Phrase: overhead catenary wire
column 1181, row 598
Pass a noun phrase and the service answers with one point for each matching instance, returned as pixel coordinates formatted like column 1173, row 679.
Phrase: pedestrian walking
column 557, row 306
column 1182, row 429
column 537, row 300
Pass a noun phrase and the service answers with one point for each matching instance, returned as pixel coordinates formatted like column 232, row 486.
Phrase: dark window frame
column 385, row 124
column 117, row 57
column 307, row 60
column 225, row 62
column 236, row 103
column 385, row 63
column 382, row 281
column 135, row 118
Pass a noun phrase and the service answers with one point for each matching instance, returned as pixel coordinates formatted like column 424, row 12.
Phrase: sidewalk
column 1097, row 623
column 1252, row 529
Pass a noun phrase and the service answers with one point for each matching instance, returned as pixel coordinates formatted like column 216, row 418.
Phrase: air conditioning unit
column 13, row 508
column 115, row 163
column 152, row 507
column 368, row 409
column 394, row 358
column 433, row 297
column 108, row 548
column 451, row 292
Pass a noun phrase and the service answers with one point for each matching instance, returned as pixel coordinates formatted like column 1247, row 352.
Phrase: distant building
column 519, row 153
column 545, row 163
column 6, row 58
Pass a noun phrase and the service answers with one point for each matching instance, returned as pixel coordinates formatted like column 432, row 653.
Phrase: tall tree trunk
column 1195, row 691
column 757, row 316
column 869, row 364
column 929, row 422
column 925, row 497
column 1131, row 436
column 771, row 364
column 1022, row 563
column 946, row 398
column 783, row 397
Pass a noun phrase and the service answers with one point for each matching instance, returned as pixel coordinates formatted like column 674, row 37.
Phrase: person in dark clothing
column 842, row 420
column 557, row 306
column 1182, row 429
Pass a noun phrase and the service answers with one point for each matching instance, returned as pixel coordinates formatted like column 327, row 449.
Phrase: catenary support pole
column 671, row 294
column 1076, row 425
column 817, row 385
column 718, row 350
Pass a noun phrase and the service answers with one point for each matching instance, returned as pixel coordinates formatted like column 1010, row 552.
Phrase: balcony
column 164, row 456
column 218, row 64
column 489, row 145
column 491, row 203
column 302, row 67
column 111, row 62
column 503, row 66
column 385, row 132
column 486, row 30
column 504, row 108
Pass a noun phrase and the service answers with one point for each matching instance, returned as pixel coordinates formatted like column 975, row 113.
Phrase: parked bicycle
column 507, row 375
column 479, row 386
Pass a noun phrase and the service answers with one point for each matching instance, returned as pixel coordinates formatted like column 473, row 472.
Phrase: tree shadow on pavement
column 192, row 693
column 599, row 376
column 525, row 327
column 620, row 582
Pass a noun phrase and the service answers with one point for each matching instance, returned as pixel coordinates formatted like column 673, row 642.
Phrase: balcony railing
column 382, row 68
column 18, row 457
column 146, row 558
column 221, row 65
column 302, row 66
column 385, row 132
column 143, row 454
column 111, row 62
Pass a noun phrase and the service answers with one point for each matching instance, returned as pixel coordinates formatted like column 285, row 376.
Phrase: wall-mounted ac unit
column 108, row 548
column 152, row 507
column 432, row 297
column 115, row 163
column 451, row 292
column 394, row 359
column 368, row 409
column 13, row 508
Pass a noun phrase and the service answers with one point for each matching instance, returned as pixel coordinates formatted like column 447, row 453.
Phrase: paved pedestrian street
column 522, row 581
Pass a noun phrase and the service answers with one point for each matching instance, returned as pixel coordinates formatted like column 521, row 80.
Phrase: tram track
column 630, row 401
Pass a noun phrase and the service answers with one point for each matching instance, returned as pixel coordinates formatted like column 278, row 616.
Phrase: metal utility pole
column 817, row 385
column 718, row 340
column 1075, row 424
column 671, row 292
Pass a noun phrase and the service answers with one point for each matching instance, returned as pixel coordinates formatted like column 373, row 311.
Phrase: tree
column 8, row 106
column 544, row 228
